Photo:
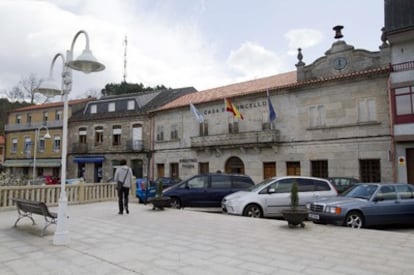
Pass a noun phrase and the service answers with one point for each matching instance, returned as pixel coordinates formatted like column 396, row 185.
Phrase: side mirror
column 271, row 190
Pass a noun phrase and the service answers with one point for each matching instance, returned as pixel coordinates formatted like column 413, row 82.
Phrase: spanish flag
column 232, row 109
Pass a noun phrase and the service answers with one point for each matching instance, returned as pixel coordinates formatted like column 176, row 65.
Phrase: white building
column 399, row 31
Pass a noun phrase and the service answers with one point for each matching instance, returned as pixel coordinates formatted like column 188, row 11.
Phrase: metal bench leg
column 48, row 222
column 22, row 215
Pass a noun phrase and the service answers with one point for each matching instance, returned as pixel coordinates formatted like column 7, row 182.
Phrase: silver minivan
column 269, row 197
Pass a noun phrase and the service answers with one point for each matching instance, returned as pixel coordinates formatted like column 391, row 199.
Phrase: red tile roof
column 52, row 104
column 276, row 82
column 233, row 90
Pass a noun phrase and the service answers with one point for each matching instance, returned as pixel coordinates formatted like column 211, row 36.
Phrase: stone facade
column 20, row 137
column 327, row 116
column 112, row 129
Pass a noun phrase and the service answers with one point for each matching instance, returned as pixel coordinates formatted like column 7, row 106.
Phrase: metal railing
column 256, row 137
column 33, row 125
column 405, row 66
column 77, row 193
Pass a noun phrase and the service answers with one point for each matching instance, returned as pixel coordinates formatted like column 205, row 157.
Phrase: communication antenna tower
column 125, row 58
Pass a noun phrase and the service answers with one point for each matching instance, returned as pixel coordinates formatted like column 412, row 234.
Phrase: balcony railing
column 33, row 125
column 79, row 148
column 130, row 145
column 242, row 138
column 135, row 145
column 405, row 66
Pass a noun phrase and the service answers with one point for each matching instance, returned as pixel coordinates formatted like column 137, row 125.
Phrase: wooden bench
column 26, row 208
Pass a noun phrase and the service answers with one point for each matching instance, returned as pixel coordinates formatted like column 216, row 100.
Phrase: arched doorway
column 234, row 165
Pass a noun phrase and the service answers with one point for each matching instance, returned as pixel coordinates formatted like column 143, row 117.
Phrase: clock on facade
column 340, row 63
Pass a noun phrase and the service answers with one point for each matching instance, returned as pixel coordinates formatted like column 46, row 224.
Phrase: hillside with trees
column 128, row 88
column 5, row 107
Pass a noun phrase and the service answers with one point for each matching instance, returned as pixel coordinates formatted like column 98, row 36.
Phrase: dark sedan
column 367, row 204
column 206, row 190
column 167, row 181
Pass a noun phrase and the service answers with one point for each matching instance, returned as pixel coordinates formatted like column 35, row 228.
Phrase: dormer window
column 131, row 105
column 111, row 107
column 93, row 109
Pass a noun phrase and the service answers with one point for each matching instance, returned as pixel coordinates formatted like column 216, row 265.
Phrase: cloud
column 253, row 60
column 302, row 38
column 161, row 49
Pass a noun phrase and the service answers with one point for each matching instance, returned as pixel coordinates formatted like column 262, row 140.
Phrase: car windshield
column 362, row 191
column 258, row 186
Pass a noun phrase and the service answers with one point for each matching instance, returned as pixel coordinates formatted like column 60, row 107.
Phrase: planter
column 160, row 202
column 295, row 217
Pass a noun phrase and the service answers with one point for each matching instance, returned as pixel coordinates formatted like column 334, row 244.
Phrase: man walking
column 123, row 178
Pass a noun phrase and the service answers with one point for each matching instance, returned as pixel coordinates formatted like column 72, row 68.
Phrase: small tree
column 294, row 198
column 159, row 189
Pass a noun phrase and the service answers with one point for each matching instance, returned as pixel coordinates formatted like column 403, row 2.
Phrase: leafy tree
column 128, row 88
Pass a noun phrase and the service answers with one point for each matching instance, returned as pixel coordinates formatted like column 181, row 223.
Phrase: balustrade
column 77, row 193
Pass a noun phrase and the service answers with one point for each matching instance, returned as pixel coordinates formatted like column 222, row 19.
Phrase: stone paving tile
column 188, row 242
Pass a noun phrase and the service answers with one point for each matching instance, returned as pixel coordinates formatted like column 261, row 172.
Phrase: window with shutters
column 116, row 134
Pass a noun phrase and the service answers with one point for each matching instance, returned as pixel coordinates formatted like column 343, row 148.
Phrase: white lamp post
column 86, row 63
column 46, row 136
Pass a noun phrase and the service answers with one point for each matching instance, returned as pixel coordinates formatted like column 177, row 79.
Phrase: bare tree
column 15, row 94
column 29, row 85
column 93, row 93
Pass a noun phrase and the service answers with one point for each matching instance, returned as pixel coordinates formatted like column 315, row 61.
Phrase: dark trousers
column 123, row 194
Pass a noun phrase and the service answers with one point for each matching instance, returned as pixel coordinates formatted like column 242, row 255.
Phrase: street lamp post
column 46, row 136
column 86, row 63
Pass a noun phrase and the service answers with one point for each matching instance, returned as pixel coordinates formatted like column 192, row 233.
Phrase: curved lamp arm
column 49, row 87
column 76, row 36
column 86, row 62
column 53, row 63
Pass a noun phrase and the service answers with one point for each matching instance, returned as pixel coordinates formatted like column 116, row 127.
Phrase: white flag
column 197, row 114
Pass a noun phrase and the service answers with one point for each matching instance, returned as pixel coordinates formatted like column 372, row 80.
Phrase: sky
column 177, row 43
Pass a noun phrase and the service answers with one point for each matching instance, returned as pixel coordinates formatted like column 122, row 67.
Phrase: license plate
column 313, row 216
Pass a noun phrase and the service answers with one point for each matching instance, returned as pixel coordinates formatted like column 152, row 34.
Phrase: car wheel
column 253, row 211
column 354, row 219
column 175, row 203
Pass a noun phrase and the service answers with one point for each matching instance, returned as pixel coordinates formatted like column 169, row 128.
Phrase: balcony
column 79, row 148
column 254, row 139
column 405, row 66
column 33, row 125
column 401, row 73
column 135, row 145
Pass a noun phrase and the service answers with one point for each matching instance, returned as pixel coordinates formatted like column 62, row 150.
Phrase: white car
column 269, row 197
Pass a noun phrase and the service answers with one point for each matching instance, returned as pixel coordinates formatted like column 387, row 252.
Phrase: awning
column 89, row 159
column 29, row 163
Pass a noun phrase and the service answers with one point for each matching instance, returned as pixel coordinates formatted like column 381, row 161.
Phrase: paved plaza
column 191, row 242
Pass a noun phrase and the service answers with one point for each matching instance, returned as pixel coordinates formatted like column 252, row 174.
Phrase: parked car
column 269, row 197
column 52, row 180
column 206, row 190
column 343, row 183
column 367, row 204
column 141, row 191
column 167, row 181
